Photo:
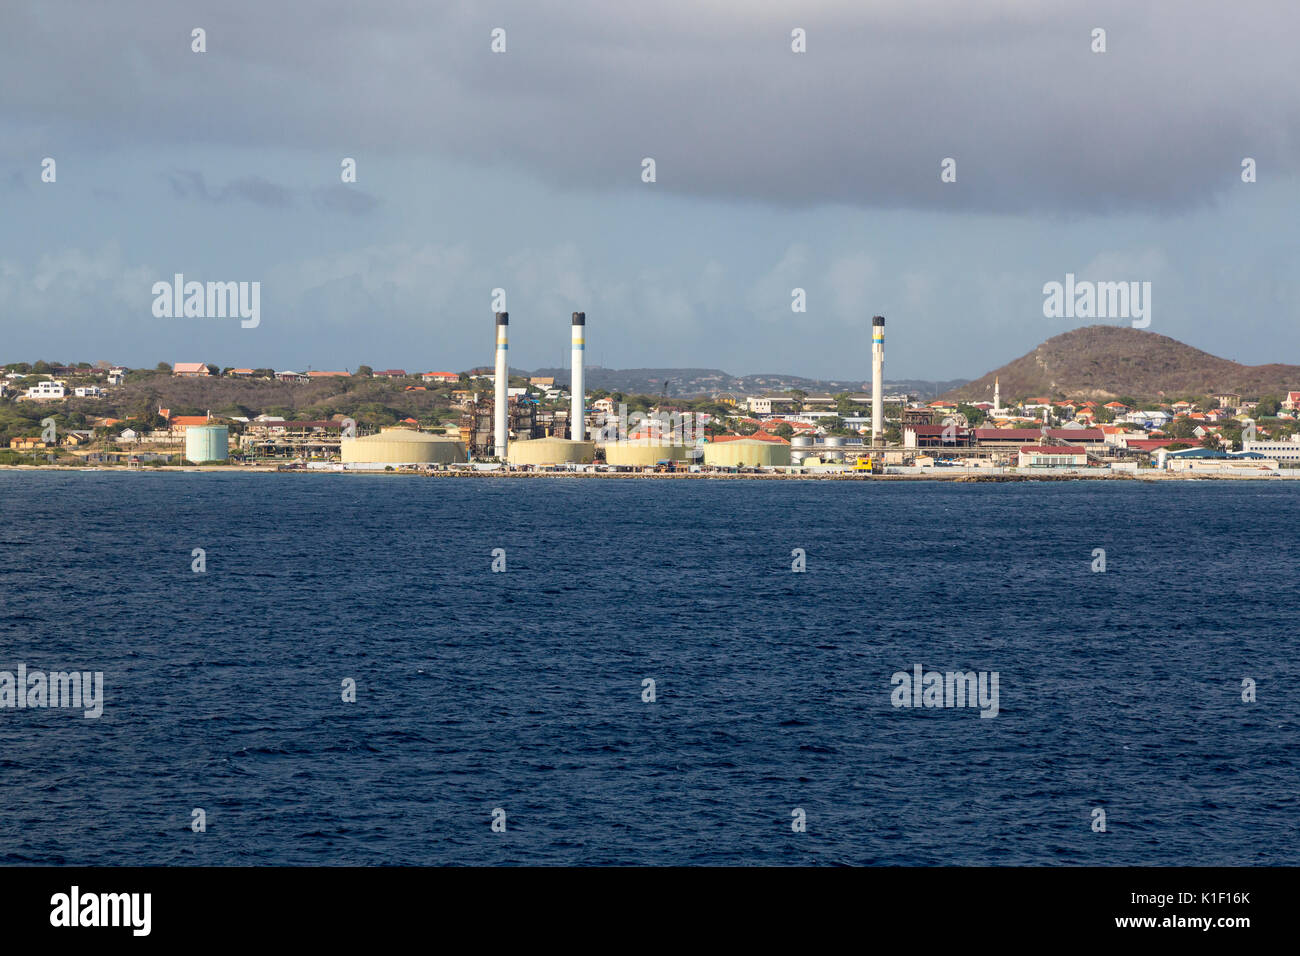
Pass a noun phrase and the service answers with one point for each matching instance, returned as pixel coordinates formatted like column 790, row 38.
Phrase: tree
column 213, row 370
column 364, row 371
column 785, row 430
column 162, row 367
column 974, row 416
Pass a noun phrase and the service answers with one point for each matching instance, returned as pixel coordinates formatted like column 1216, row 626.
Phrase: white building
column 1156, row 419
column 45, row 391
column 116, row 375
column 88, row 391
column 1279, row 450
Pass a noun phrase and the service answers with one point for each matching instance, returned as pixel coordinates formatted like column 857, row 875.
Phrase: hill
column 693, row 382
column 1105, row 362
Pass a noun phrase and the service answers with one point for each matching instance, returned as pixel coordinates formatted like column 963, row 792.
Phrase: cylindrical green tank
column 207, row 443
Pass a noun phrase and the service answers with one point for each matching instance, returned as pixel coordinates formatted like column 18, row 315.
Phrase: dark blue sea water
column 522, row 690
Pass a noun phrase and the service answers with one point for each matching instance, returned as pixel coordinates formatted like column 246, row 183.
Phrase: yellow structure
column 746, row 452
column 643, row 453
column 551, row 451
column 402, row 446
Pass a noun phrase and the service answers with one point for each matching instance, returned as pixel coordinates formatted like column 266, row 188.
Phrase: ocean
column 520, row 696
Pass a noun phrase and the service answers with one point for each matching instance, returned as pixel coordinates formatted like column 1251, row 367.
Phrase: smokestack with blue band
column 502, row 375
column 577, row 398
column 877, row 378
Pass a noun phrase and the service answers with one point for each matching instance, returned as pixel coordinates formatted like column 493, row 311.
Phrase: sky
column 523, row 170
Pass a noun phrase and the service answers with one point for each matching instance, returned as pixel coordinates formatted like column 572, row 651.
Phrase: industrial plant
column 482, row 422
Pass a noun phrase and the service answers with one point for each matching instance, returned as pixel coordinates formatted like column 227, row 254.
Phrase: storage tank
column 834, row 448
column 552, row 451
column 207, row 443
column 644, row 453
column 800, row 448
column 748, row 452
column 402, row 446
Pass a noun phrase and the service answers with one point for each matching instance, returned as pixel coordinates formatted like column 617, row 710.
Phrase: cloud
column 347, row 199
column 191, row 184
column 885, row 91
column 72, row 287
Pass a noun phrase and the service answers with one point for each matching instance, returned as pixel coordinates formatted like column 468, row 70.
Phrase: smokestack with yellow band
column 577, row 400
column 877, row 378
column 501, row 407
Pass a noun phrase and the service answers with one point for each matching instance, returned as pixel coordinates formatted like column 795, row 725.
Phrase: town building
column 190, row 370
column 1009, row 438
column 1281, row 450
column 1052, row 456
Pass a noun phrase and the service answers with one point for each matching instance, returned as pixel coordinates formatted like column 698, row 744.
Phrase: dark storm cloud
column 711, row 91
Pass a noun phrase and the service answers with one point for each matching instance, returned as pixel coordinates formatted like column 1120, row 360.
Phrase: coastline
column 943, row 474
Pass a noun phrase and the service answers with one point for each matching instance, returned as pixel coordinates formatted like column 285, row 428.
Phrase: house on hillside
column 190, row 370
column 46, row 391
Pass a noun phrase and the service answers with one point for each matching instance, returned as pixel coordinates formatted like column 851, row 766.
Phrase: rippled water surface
column 522, row 690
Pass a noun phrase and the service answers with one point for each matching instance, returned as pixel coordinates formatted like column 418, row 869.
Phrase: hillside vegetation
column 1105, row 362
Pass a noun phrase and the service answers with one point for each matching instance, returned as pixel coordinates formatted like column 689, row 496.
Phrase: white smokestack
column 577, row 396
column 502, row 381
column 877, row 378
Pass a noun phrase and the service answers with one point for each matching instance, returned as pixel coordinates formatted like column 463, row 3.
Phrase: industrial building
column 402, row 446
column 525, row 418
column 1213, row 460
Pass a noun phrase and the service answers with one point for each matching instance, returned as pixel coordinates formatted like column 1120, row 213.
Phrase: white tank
column 207, row 443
